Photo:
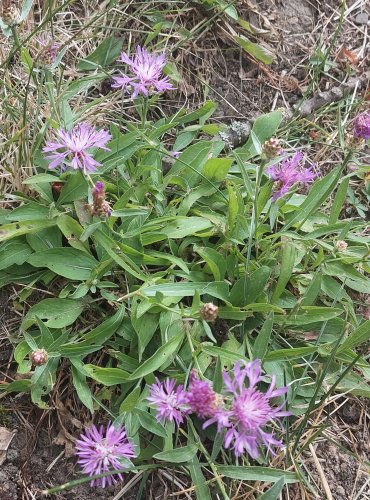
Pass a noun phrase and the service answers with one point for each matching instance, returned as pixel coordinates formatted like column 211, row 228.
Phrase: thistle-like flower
column 289, row 172
column 48, row 50
column 103, row 450
column 146, row 74
column 169, row 401
column 362, row 126
column 202, row 400
column 250, row 411
column 73, row 148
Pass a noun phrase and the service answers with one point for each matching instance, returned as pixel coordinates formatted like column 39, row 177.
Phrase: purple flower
column 72, row 148
column 100, row 205
column 101, row 450
column 48, row 49
column 146, row 69
column 289, row 172
column 250, row 411
column 362, row 126
column 203, row 400
column 168, row 400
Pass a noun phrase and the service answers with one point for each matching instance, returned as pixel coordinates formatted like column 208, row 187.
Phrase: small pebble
column 362, row 18
column 341, row 491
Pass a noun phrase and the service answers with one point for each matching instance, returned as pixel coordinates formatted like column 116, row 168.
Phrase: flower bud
column 272, row 148
column 39, row 357
column 9, row 12
column 209, row 312
column 100, row 206
column 341, row 245
column 362, row 126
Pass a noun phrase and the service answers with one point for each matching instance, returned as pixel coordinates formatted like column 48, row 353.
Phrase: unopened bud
column 100, row 206
column 272, row 148
column 341, row 245
column 39, row 357
column 9, row 12
column 209, row 312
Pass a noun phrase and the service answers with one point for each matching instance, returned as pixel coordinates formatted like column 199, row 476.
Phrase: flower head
column 201, row 398
column 146, row 73
column 100, row 206
column 362, row 126
column 39, row 357
column 72, row 148
column 101, row 450
column 250, row 410
column 48, row 49
column 209, row 311
column 289, row 172
column 169, row 400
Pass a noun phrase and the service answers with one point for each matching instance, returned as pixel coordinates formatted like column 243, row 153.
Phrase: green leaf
column 45, row 239
column 179, row 455
column 287, row 257
column 158, row 359
column 82, row 389
column 106, row 329
column 74, row 189
column 218, row 289
column 247, row 289
column 105, row 54
column 130, row 402
column 107, row 376
column 214, row 260
column 310, row 314
column 292, row 353
column 319, row 192
column 67, row 262
column 233, row 206
column 29, row 212
column 273, row 493
column 223, row 354
column 77, row 349
column 41, row 178
column 263, row 129
column 58, row 313
column 262, row 341
column 184, row 226
column 202, row 491
column 13, row 252
column 110, row 246
column 251, row 473
column 16, row 386
column 356, row 338
column 8, row 231
column 258, row 51
column 339, row 200
column 216, row 169
column 150, row 423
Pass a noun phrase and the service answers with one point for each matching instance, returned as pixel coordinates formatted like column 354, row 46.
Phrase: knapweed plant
column 202, row 301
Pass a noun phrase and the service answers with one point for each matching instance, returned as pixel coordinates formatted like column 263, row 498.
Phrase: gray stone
column 362, row 18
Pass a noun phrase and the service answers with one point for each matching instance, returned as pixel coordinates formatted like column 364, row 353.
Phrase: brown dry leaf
column 63, row 440
column 347, row 55
column 6, row 437
column 310, row 335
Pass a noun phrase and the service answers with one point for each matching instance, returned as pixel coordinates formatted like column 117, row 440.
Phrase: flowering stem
column 87, row 479
column 211, row 464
